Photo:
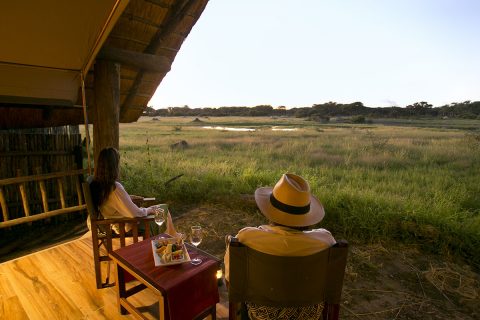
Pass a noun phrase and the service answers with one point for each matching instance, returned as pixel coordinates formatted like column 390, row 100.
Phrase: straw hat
column 290, row 202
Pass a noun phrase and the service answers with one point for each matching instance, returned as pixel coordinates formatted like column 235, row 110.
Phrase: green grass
column 376, row 182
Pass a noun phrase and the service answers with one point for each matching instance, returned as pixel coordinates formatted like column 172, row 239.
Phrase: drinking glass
column 196, row 236
column 159, row 215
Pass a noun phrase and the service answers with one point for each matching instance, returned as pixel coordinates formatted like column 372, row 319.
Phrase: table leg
column 213, row 312
column 121, row 288
column 161, row 307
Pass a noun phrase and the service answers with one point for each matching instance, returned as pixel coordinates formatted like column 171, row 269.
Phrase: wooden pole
column 39, row 177
column 85, row 118
column 3, row 203
column 107, row 105
column 43, row 190
column 61, row 192
column 23, row 193
column 78, row 186
column 44, row 215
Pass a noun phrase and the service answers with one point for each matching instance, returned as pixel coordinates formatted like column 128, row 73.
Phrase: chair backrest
column 92, row 210
column 279, row 281
column 104, row 226
column 102, row 235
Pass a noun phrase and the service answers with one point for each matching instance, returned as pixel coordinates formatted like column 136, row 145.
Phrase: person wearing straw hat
column 291, row 210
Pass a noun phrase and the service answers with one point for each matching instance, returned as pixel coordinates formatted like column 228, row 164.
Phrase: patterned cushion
column 258, row 312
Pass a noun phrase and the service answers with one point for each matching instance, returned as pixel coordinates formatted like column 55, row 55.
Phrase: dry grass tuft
column 455, row 280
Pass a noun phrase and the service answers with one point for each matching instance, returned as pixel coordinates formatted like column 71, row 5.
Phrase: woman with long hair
column 110, row 197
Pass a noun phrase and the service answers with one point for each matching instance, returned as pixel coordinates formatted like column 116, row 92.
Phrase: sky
column 299, row 53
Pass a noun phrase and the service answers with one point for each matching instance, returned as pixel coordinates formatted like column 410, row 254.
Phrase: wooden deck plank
column 9, row 303
column 59, row 283
column 12, row 307
column 36, row 289
column 6, row 290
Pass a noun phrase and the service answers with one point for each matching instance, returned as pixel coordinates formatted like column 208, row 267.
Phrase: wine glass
column 195, row 239
column 159, row 215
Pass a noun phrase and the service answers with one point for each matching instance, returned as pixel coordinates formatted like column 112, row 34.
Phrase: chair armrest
column 141, row 201
column 135, row 198
column 233, row 241
column 147, row 202
column 341, row 243
column 126, row 220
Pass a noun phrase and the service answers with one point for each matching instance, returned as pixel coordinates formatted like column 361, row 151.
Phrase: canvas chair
column 102, row 235
column 278, row 281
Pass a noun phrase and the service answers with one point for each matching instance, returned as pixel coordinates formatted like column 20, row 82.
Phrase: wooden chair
column 278, row 281
column 102, row 235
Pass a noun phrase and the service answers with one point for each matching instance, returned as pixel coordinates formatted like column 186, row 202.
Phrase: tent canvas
column 65, row 35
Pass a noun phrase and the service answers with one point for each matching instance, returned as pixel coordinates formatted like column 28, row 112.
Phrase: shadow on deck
column 59, row 283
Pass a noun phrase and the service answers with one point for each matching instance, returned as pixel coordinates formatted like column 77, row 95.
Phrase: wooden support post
column 23, row 193
column 78, row 186
column 61, row 192
column 107, row 105
column 3, row 203
column 43, row 190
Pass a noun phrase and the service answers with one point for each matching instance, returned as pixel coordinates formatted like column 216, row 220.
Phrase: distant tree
column 280, row 111
column 420, row 105
column 358, row 119
column 149, row 111
column 358, row 104
column 262, row 110
column 323, row 112
column 419, row 108
column 301, row 112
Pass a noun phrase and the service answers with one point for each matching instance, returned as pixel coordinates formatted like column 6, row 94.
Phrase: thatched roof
column 47, row 45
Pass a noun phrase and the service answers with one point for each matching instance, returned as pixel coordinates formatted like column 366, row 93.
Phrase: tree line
column 325, row 111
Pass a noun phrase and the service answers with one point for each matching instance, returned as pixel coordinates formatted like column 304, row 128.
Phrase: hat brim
column 313, row 216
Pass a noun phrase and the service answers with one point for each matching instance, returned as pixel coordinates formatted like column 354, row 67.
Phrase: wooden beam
column 172, row 22
column 35, row 217
column 17, row 117
column 44, row 176
column 121, row 37
column 144, row 61
column 39, row 106
column 8, row 100
column 160, row 3
column 130, row 16
column 179, row 12
column 35, row 153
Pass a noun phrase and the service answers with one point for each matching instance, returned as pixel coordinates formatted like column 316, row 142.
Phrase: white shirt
column 120, row 205
column 282, row 241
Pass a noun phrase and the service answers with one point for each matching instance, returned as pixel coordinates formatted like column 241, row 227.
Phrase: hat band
column 288, row 208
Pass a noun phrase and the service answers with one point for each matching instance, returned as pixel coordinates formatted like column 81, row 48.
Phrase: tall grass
column 376, row 183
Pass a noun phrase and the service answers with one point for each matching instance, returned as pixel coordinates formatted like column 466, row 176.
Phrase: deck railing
column 40, row 180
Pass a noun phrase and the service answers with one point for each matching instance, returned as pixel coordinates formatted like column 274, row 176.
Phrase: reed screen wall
column 30, row 152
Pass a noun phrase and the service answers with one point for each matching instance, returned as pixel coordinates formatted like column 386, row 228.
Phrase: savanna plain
column 405, row 197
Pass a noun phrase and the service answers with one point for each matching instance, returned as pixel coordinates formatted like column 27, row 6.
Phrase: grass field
column 377, row 183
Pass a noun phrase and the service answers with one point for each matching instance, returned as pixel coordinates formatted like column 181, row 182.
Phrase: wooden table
column 183, row 290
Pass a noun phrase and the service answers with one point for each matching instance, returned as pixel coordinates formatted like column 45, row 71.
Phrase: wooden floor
column 59, row 283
